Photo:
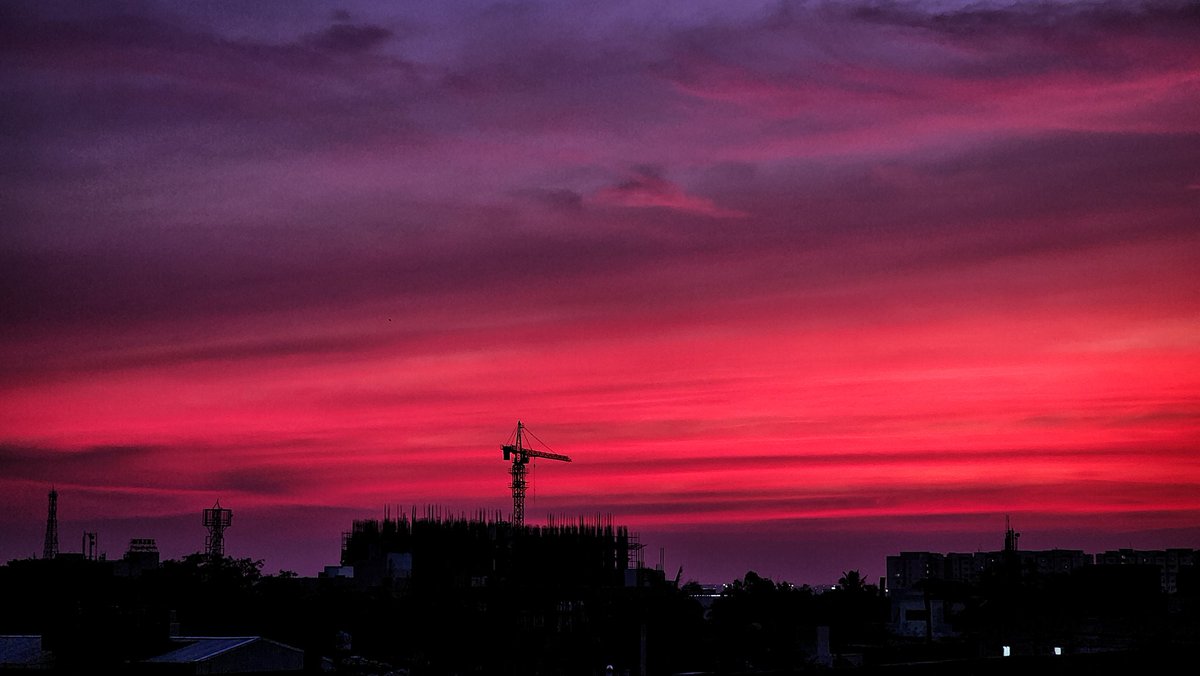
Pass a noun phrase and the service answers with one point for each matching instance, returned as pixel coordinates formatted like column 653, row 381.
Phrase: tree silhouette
column 760, row 624
column 855, row 612
column 851, row 582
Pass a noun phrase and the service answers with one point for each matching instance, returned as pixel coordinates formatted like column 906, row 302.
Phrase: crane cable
column 546, row 445
column 512, row 438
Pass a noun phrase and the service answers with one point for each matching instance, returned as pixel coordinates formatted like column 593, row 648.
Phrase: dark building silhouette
column 141, row 557
column 1169, row 562
column 907, row 569
column 24, row 653
column 437, row 552
column 88, row 546
column 192, row 655
column 563, row 598
column 1057, row 602
column 444, row 595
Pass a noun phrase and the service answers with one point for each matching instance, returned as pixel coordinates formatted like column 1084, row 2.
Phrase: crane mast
column 520, row 456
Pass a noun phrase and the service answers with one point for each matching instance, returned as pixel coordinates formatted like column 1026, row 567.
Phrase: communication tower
column 216, row 520
column 50, row 548
column 1010, row 536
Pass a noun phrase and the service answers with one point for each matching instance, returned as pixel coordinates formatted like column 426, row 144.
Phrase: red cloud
column 647, row 189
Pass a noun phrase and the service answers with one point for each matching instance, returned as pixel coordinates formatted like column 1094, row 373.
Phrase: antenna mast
column 216, row 520
column 50, row 548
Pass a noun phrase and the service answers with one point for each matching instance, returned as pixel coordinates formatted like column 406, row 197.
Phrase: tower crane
column 520, row 456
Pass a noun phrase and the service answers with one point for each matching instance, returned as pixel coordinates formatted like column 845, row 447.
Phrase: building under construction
column 568, row 597
column 433, row 550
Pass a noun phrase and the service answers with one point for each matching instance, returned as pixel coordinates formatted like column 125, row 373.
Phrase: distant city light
column 1057, row 650
column 1007, row 651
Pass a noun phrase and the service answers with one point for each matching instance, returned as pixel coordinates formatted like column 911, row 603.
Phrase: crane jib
column 523, row 453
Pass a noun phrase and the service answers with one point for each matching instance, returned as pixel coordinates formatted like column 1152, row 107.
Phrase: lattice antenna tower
column 216, row 520
column 50, row 548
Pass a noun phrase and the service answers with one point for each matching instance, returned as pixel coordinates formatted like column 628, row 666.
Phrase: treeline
column 758, row 624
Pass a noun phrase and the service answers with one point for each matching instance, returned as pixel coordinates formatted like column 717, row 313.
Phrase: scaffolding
column 485, row 549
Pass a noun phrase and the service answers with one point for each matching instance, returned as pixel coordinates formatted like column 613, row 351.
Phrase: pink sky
column 796, row 285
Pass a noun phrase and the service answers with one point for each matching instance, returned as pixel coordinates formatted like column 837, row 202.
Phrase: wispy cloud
column 646, row 188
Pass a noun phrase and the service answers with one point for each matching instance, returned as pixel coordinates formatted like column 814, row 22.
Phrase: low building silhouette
column 24, row 653
column 1169, row 562
column 1056, row 601
column 141, row 557
column 906, row 570
column 192, row 655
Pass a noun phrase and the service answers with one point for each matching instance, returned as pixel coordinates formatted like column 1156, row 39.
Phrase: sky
column 796, row 285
